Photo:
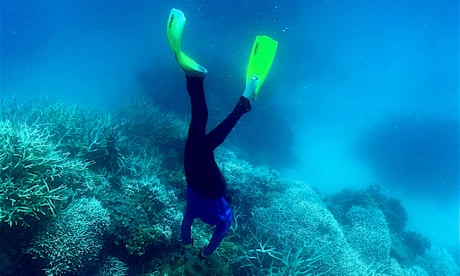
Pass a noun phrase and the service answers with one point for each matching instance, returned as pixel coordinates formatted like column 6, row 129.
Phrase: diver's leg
column 195, row 88
column 195, row 143
column 218, row 134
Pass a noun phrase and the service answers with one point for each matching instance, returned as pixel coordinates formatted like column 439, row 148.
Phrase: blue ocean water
column 361, row 92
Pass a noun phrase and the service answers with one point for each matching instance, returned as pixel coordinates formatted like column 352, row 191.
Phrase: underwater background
column 348, row 163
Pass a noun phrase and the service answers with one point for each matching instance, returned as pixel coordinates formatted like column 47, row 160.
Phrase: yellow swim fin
column 174, row 29
column 262, row 55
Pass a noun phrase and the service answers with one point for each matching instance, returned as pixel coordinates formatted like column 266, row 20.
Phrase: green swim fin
column 262, row 55
column 174, row 29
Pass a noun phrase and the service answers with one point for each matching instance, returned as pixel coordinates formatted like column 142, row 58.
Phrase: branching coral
column 84, row 134
column 31, row 173
column 145, row 124
column 144, row 214
column 104, row 145
column 73, row 239
column 266, row 259
column 248, row 185
column 113, row 267
column 66, row 122
column 143, row 164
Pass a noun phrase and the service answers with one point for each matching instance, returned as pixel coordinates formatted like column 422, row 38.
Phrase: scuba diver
column 206, row 186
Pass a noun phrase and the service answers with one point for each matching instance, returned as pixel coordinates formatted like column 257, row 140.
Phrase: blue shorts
column 210, row 211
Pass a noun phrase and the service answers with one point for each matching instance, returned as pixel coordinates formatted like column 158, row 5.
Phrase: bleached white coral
column 34, row 173
column 437, row 261
column 113, row 267
column 73, row 239
column 368, row 234
column 298, row 218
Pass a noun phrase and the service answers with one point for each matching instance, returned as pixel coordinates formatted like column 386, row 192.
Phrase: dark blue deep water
column 361, row 92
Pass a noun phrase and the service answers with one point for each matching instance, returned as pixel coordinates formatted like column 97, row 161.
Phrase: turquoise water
column 361, row 93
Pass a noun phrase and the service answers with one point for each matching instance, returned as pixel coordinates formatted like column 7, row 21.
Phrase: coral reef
column 73, row 239
column 405, row 245
column 437, row 261
column 150, row 129
column 113, row 267
column 103, row 194
column 305, row 223
column 144, row 214
column 368, row 234
column 35, row 175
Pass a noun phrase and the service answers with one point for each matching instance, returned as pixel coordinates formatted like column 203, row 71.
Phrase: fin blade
column 174, row 29
column 262, row 56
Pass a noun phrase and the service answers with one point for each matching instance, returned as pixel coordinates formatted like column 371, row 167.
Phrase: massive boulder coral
column 438, row 261
column 368, row 235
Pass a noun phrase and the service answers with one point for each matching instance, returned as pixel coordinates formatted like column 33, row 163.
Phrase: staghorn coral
column 143, row 164
column 84, row 134
column 150, row 129
column 73, row 239
column 66, row 122
column 104, row 145
column 34, row 173
column 113, row 267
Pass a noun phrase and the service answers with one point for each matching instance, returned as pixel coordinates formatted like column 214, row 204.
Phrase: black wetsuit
column 206, row 184
column 201, row 171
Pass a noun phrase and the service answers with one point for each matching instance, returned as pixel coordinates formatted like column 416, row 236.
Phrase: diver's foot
column 190, row 66
column 250, row 89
